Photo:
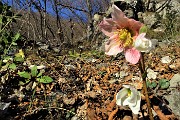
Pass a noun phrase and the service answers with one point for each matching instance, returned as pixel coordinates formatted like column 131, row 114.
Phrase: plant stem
column 144, row 74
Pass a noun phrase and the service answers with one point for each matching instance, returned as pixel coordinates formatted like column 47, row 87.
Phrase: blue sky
column 65, row 13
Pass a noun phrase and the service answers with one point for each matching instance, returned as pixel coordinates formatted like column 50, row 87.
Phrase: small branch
column 144, row 74
column 112, row 114
column 68, row 6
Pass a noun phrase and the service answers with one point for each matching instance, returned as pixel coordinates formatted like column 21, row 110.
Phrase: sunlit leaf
column 19, row 59
column 13, row 43
column 34, row 71
column 24, row 75
column 23, row 83
column 16, row 37
column 45, row 79
column 143, row 29
column 39, row 74
column 20, row 54
column 12, row 66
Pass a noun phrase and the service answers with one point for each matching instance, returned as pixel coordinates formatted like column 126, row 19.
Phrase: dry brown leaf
column 91, row 114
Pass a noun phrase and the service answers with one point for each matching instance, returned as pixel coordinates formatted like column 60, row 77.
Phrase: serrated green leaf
column 12, row 66
column 34, row 71
column 45, row 79
column 24, row 75
column 143, row 29
column 164, row 83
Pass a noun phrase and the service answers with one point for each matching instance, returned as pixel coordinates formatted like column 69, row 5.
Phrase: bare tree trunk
column 45, row 29
column 28, row 24
column 58, row 23
column 90, row 21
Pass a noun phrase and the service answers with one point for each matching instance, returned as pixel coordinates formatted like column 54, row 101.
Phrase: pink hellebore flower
column 123, row 33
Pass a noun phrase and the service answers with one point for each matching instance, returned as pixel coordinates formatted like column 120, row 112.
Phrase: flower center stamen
column 125, row 37
column 129, row 92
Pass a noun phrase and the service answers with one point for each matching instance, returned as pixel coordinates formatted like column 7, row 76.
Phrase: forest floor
column 84, row 87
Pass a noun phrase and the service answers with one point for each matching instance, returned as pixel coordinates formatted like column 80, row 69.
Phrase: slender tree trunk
column 45, row 28
column 90, row 21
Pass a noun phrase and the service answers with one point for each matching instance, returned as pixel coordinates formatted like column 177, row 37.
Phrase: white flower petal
column 133, row 101
column 143, row 44
column 121, row 96
column 126, row 86
column 135, row 109
column 151, row 74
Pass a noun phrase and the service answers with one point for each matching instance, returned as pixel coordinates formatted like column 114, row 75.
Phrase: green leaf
column 45, row 79
column 151, row 84
column 143, row 29
column 1, row 19
column 23, row 83
column 164, row 83
column 39, row 74
column 13, row 43
column 16, row 37
column 34, row 71
column 19, row 59
column 12, row 66
column 24, row 75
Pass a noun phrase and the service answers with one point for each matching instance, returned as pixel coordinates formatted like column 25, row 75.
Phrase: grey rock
column 149, row 19
column 174, row 102
column 174, row 97
column 162, row 44
column 175, row 80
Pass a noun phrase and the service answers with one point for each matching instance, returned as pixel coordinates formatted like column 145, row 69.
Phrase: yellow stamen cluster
column 129, row 92
column 125, row 37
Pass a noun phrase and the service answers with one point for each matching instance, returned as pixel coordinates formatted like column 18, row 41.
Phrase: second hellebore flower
column 129, row 96
column 143, row 44
column 123, row 33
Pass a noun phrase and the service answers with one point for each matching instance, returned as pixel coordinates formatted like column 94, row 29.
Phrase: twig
column 144, row 74
column 112, row 114
column 68, row 6
column 159, row 113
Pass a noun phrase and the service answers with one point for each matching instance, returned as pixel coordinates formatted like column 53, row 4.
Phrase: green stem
column 144, row 74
